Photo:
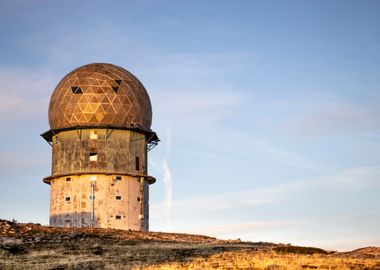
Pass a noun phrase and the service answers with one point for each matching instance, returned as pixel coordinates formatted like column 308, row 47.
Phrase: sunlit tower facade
column 100, row 117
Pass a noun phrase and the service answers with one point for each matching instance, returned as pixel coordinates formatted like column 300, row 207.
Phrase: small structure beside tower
column 100, row 117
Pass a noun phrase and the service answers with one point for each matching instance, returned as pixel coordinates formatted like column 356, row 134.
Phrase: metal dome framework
column 100, row 95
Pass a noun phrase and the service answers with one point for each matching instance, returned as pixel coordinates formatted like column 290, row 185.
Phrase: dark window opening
column 118, row 178
column 93, row 156
column 115, row 88
column 118, row 82
column 138, row 199
column 118, row 198
column 76, row 90
column 118, row 217
column 67, row 199
column 92, row 198
column 137, row 163
column 68, row 179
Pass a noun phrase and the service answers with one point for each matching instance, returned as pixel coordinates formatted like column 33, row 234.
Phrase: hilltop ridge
column 34, row 246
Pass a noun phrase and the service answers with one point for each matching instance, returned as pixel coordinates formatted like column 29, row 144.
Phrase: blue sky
column 268, row 111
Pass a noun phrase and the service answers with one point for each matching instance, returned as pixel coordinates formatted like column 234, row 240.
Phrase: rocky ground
column 32, row 246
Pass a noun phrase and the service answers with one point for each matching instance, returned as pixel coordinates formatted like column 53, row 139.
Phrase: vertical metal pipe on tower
column 93, row 203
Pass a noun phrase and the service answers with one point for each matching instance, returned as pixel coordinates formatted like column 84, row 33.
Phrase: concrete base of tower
column 99, row 200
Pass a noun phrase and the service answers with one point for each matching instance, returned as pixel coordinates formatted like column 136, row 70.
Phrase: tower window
column 138, row 199
column 93, row 135
column 137, row 163
column 118, row 198
column 76, row 90
column 67, row 223
column 118, row 82
column 67, row 198
column 118, row 217
column 93, row 156
column 92, row 197
column 118, row 178
column 68, row 179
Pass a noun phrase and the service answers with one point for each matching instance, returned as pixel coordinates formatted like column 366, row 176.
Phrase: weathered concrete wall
column 115, row 150
column 111, row 159
column 71, row 202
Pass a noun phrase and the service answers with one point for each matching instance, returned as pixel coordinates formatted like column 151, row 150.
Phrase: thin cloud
column 352, row 179
column 194, row 110
column 7, row 103
column 356, row 178
column 348, row 244
column 197, row 65
column 352, row 215
column 10, row 164
column 24, row 92
column 337, row 119
column 223, row 201
column 189, row 107
column 249, row 148
column 243, row 228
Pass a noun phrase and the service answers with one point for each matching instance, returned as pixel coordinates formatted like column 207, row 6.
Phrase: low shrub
column 300, row 250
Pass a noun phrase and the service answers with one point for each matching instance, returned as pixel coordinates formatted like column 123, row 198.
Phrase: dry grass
column 103, row 254
column 270, row 261
column 31, row 246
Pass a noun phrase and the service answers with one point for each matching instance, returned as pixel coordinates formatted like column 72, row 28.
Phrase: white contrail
column 164, row 170
column 167, row 178
column 168, row 190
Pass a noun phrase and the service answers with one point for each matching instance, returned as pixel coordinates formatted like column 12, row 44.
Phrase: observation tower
column 100, row 117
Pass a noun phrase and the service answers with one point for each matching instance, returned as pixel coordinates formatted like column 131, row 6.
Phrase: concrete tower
column 100, row 117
